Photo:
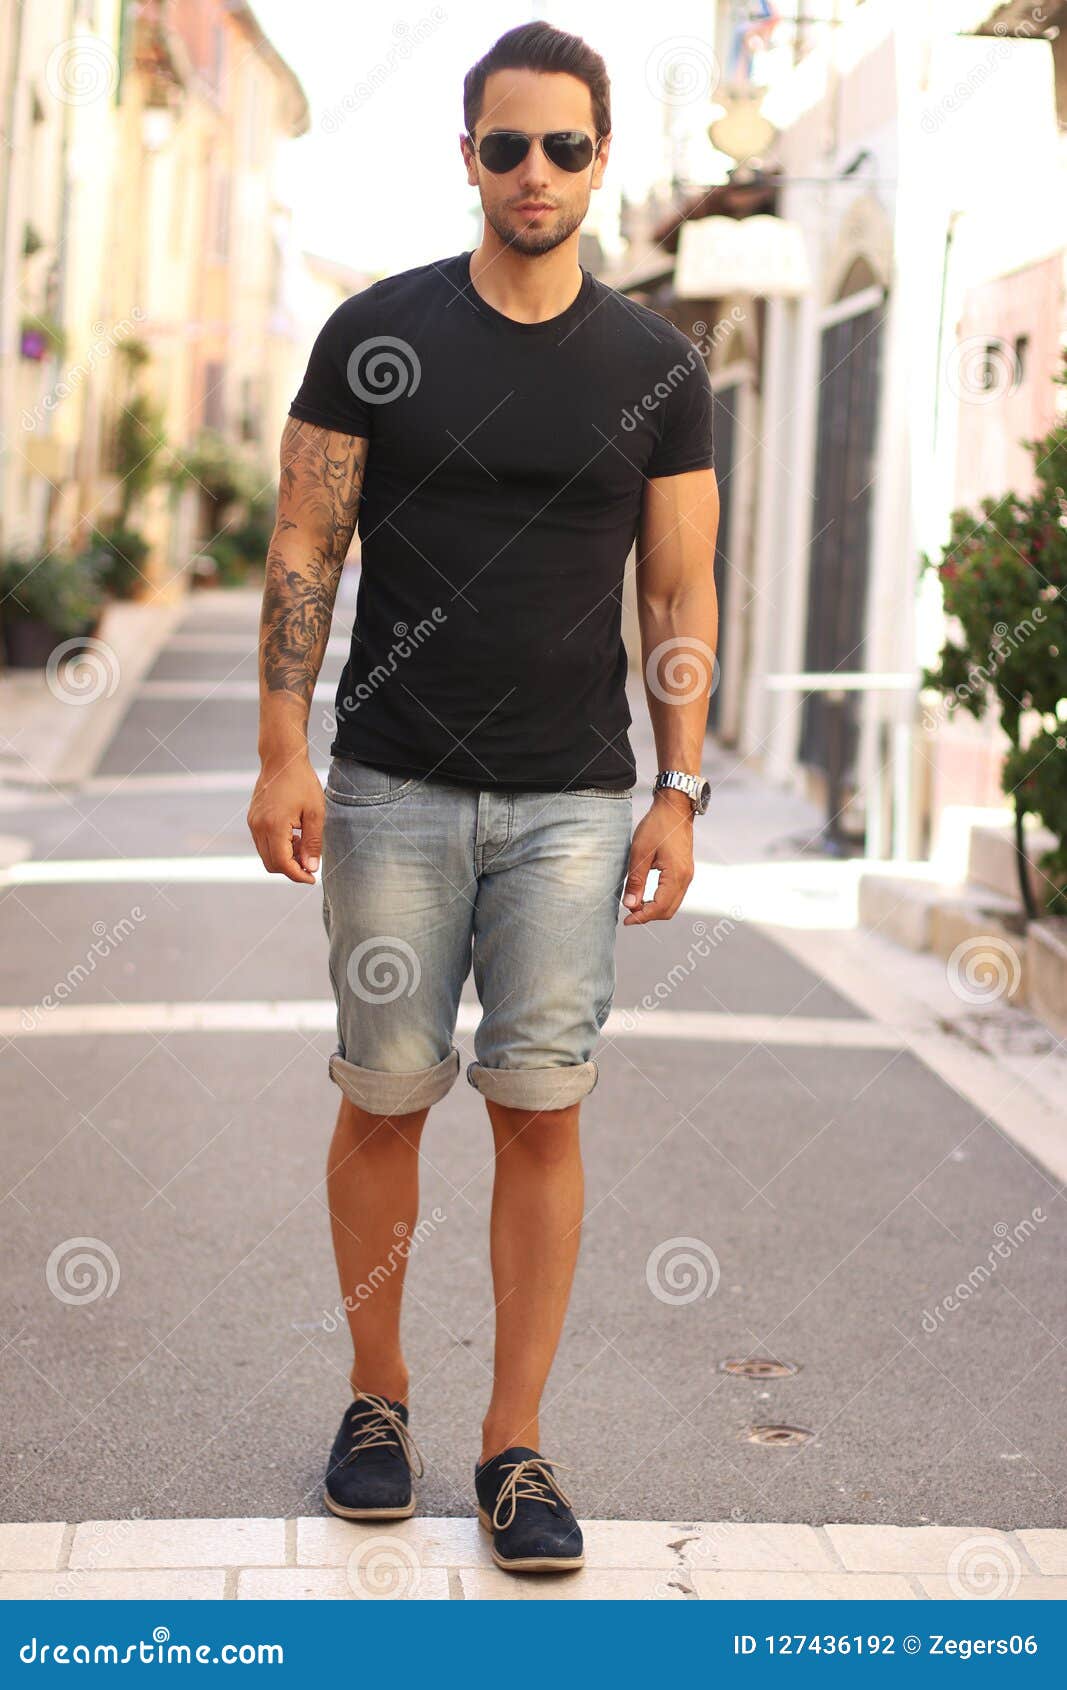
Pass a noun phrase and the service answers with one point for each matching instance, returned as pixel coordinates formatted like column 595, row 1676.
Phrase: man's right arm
column 318, row 500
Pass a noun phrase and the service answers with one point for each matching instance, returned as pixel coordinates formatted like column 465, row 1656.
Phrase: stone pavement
column 448, row 1559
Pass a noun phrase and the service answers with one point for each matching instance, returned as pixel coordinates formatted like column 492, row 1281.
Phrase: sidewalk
column 448, row 1559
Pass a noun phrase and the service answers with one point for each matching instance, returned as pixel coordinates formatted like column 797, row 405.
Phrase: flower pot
column 28, row 642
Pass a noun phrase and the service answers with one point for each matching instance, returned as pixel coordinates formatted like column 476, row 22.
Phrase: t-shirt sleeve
column 686, row 439
column 330, row 392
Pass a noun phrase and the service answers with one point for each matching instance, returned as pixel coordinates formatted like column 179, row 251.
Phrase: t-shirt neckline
column 561, row 320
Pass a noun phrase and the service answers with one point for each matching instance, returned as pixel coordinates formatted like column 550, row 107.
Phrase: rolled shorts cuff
column 383, row 1093
column 534, row 1088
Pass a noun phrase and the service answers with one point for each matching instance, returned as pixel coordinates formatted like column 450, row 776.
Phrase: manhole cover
column 759, row 1367
column 780, row 1436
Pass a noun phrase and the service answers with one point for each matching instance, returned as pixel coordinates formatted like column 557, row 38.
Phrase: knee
column 545, row 1138
column 363, row 1133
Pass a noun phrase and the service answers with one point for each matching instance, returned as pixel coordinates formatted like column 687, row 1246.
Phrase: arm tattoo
column 318, row 501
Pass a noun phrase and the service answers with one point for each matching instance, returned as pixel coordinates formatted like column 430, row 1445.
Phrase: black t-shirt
column 501, row 497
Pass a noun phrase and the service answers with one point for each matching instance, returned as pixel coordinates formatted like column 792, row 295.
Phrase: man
column 504, row 426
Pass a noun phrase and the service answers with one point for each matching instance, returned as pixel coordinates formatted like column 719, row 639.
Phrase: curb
column 55, row 738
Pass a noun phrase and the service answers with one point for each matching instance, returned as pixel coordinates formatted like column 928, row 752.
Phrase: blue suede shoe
column 529, row 1517
column 371, row 1463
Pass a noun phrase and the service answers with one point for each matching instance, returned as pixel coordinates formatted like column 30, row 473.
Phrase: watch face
column 705, row 797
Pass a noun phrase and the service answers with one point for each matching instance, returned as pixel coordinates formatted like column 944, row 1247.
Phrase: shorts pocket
column 351, row 781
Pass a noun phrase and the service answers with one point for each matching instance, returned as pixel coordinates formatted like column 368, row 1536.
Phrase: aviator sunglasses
column 502, row 149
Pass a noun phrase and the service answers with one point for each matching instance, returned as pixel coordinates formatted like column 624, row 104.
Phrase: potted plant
column 41, row 337
column 120, row 553
column 46, row 600
column 1003, row 577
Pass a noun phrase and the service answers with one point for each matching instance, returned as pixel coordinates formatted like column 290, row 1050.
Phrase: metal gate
column 839, row 555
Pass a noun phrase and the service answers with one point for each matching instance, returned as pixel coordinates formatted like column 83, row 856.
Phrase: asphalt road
column 816, row 1199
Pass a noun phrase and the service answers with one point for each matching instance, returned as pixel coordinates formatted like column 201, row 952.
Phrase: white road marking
column 303, row 1015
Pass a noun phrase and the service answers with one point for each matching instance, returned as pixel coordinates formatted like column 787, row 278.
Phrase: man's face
column 534, row 207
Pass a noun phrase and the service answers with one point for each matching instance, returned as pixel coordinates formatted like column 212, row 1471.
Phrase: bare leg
column 372, row 1183
column 535, row 1232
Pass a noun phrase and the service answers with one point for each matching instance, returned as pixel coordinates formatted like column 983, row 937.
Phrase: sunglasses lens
column 569, row 149
column 503, row 150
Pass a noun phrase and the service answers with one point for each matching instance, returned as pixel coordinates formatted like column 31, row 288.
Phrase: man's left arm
column 677, row 610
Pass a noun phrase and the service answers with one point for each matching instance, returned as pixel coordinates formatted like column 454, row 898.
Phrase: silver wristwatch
column 694, row 786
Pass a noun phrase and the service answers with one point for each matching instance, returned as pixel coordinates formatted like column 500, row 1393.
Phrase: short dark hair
column 539, row 46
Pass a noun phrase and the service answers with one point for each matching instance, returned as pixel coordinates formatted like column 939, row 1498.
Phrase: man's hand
column 288, row 798
column 663, row 840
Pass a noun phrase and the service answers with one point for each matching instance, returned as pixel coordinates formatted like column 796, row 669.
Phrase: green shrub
column 121, row 553
column 62, row 591
column 1003, row 578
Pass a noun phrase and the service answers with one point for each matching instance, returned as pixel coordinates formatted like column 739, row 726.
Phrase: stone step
column 991, row 857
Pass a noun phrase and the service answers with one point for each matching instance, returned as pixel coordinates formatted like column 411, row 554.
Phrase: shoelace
column 379, row 1424
column 539, row 1480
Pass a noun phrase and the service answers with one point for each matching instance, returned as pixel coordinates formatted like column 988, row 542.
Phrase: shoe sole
column 530, row 1563
column 403, row 1513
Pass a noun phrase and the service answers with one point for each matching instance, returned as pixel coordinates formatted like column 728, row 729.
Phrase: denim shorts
column 425, row 878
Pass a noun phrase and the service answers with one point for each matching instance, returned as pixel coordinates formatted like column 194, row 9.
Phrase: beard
column 533, row 242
